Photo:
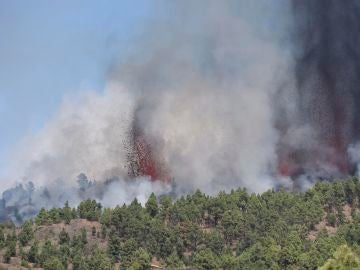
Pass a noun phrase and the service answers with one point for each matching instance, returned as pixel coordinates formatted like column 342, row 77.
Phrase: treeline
column 236, row 230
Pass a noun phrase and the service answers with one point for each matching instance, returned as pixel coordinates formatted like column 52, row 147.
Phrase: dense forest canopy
column 237, row 230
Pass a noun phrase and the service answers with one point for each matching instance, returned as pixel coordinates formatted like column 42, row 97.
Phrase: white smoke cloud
column 214, row 117
column 121, row 191
column 86, row 135
column 203, row 87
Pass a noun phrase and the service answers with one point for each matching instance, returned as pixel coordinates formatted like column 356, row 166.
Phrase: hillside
column 236, row 230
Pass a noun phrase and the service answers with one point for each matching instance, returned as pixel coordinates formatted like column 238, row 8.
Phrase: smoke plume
column 326, row 55
column 222, row 94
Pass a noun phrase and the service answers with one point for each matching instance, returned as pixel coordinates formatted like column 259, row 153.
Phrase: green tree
column 331, row 219
column 64, row 253
column 53, row 263
column 33, row 255
column 26, row 233
column 289, row 254
column 90, row 210
column 67, row 213
column 127, row 250
column 205, row 259
column 42, row 218
column 103, row 232
column 10, row 251
column 344, row 259
column 165, row 202
column 99, row 261
column 263, row 254
column 106, row 216
column 54, row 215
column 352, row 233
column 194, row 235
column 140, row 260
column 173, row 261
column 114, row 246
column 48, row 250
column 79, row 262
column 215, row 242
column 64, row 237
column 227, row 261
column 83, row 236
column 2, row 237
column 25, row 264
column 152, row 206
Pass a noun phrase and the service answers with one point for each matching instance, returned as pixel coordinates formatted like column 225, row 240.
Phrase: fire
column 148, row 164
column 143, row 160
column 334, row 159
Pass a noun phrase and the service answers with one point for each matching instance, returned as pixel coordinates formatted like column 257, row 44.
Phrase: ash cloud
column 326, row 68
column 207, row 93
column 219, row 94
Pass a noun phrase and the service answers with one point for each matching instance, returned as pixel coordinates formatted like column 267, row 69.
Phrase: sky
column 49, row 49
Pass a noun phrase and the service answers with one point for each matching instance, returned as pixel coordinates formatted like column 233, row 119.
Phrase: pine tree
column 152, row 206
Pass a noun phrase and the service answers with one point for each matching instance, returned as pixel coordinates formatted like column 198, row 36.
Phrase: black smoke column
column 327, row 35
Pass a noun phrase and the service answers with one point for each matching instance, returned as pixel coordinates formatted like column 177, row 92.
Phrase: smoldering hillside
column 217, row 95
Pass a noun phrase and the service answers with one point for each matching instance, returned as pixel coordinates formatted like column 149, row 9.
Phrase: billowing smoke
column 221, row 94
column 327, row 58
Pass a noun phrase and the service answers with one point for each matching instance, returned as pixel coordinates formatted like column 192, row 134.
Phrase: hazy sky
column 51, row 48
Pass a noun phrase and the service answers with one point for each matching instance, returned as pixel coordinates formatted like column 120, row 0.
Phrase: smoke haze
column 257, row 94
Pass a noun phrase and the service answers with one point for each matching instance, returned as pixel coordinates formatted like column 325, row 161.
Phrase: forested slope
column 236, row 230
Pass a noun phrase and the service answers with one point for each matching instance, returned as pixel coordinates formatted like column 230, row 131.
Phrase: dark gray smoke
column 327, row 71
